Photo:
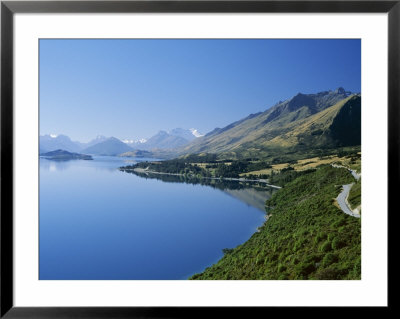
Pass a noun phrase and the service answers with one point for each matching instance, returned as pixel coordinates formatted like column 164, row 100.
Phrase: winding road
column 344, row 204
column 344, row 194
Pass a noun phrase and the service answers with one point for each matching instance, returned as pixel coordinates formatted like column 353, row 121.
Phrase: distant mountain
column 164, row 140
column 135, row 143
column 188, row 135
column 62, row 155
column 102, row 145
column 196, row 133
column 111, row 146
column 304, row 121
column 173, row 139
column 50, row 142
column 97, row 140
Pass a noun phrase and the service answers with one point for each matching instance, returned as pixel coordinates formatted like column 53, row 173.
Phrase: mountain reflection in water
column 252, row 193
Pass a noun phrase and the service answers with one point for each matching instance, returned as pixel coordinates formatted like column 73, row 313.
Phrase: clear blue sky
column 134, row 88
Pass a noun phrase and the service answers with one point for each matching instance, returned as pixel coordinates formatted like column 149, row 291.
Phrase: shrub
column 327, row 274
column 281, row 268
column 320, row 237
column 338, row 243
column 340, row 222
column 326, row 246
column 297, row 245
column 305, row 269
column 313, row 258
column 274, row 257
column 227, row 250
column 329, row 259
column 331, row 236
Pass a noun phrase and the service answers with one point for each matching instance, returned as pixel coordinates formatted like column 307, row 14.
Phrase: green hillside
column 305, row 237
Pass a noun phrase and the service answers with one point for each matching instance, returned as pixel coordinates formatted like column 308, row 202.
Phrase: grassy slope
column 306, row 236
column 252, row 136
column 355, row 195
column 319, row 122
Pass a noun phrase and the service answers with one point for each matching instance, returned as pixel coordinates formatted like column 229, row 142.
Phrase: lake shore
column 147, row 171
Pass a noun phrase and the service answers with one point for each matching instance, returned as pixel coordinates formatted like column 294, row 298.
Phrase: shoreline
column 146, row 171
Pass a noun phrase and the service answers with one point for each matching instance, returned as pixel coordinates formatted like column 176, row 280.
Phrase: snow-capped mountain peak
column 131, row 141
column 196, row 132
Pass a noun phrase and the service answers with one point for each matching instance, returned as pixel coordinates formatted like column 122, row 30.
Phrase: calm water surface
column 97, row 222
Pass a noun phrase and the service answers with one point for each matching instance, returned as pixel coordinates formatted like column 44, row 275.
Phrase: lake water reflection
column 97, row 222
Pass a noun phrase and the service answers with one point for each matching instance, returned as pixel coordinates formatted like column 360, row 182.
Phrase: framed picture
column 164, row 157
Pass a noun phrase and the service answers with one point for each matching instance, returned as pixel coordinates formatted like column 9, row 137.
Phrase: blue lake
column 97, row 222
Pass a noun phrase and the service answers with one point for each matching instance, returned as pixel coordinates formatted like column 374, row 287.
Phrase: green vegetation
column 176, row 166
column 204, row 166
column 287, row 175
column 355, row 195
column 305, row 236
column 200, row 158
column 355, row 162
column 210, row 165
column 233, row 170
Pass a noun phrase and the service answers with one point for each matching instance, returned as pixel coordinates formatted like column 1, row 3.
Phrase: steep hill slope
column 327, row 119
column 338, row 125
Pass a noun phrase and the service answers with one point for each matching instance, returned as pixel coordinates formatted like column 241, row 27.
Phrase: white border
column 370, row 291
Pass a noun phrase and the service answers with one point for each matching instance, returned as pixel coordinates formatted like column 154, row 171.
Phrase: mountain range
column 52, row 142
column 324, row 120
column 328, row 119
column 102, row 145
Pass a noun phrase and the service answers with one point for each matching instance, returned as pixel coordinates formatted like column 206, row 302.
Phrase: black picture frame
column 9, row 8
